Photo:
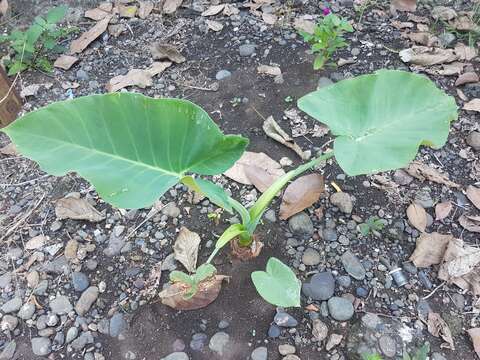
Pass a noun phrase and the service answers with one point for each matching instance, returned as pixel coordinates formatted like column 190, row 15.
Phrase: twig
column 23, row 219
column 197, row 87
column 434, row 291
column 27, row 181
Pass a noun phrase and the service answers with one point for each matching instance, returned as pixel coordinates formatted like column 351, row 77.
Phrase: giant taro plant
column 133, row 149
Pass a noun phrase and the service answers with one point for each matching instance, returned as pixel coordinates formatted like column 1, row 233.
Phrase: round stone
column 41, row 346
column 223, row 74
column 218, row 342
column 26, row 311
column 260, row 353
column 388, row 346
column 340, row 309
column 321, row 286
column 301, row 224
column 286, row 349
column 311, row 257
column 80, row 281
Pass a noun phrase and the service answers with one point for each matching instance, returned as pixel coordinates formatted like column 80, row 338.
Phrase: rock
column 41, row 346
column 80, row 342
column 458, row 301
column 26, row 311
column 72, row 334
column 33, row 277
column 12, row 305
column 473, row 139
column 319, row 330
column 361, row 292
column 80, row 281
column 274, row 331
column 323, row 82
column 301, row 224
column 82, row 75
column 71, row 248
column 115, row 242
column 9, row 322
column 443, row 13
column 5, row 280
column 333, row 341
column 446, row 39
column 286, row 349
column 117, row 324
column 340, row 308
column 311, row 257
column 353, row 266
column 176, row 356
column 291, row 357
column 246, row 49
column 270, row 215
column 329, row 235
column 344, row 281
column 284, row 319
column 218, row 342
column 371, row 321
column 171, row 210
column 8, row 351
column 424, row 198
column 223, row 74
column 223, row 324
column 57, row 266
column 86, row 300
column 41, row 288
column 321, row 286
column 388, row 346
column 198, row 341
column 260, row 353
column 343, row 201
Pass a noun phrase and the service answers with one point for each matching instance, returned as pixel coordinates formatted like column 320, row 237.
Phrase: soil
column 240, row 106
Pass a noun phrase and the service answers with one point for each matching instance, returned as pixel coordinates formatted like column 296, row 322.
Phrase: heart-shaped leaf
column 278, row 285
column 381, row 119
column 132, row 148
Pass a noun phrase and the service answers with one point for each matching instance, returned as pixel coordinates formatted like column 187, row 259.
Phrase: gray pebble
column 117, row 324
column 311, row 257
column 301, row 224
column 218, row 342
column 353, row 266
column 340, row 309
column 246, row 49
column 26, row 311
column 12, row 305
column 80, row 281
column 41, row 346
column 321, row 286
column 223, row 74
column 260, row 353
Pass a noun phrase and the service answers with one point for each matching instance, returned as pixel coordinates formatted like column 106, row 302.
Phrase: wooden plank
column 10, row 102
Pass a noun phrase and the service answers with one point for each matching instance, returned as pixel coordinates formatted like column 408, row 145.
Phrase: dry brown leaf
column 424, row 172
column 461, row 266
column 65, row 62
column 465, row 22
column 186, row 248
column 269, row 19
column 99, row 13
column 443, row 209
column 423, row 38
column 439, row 328
column 259, row 177
column 473, row 194
column 213, row 10
column 117, row 29
column 76, row 208
column 3, row 7
column 418, row 19
column 417, row 216
column 230, row 9
column 214, row 25
column 208, row 290
column 249, row 159
column 403, row 5
column 402, row 24
column 36, row 242
column 425, row 56
column 170, row 6
column 467, row 78
column 472, row 105
column 465, row 52
column 162, row 51
column 475, row 336
column 145, row 9
column 80, row 44
column 430, row 249
column 127, row 11
column 304, row 25
column 152, row 284
column 273, row 130
column 9, row 149
column 301, row 194
column 443, row 13
column 137, row 77
column 470, row 223
column 269, row 70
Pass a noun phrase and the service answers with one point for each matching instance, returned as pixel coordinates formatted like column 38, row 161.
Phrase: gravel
column 176, row 356
column 260, row 353
column 246, row 49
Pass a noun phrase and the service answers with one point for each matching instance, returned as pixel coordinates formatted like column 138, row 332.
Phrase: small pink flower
column 326, row 11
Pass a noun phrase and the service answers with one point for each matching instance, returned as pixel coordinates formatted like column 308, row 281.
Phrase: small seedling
column 32, row 48
column 327, row 38
column 288, row 99
column 215, row 216
column 372, row 224
column 203, row 272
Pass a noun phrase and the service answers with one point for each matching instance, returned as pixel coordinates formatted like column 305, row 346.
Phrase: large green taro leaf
column 381, row 119
column 132, row 148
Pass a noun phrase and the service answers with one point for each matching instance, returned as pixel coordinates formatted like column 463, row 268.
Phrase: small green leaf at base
column 278, row 285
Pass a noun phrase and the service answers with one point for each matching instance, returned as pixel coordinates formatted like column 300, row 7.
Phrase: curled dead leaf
column 403, row 5
column 99, row 13
column 137, row 77
column 424, row 172
column 470, row 223
column 473, row 194
column 439, row 328
column 472, row 105
column 417, row 216
column 65, row 62
column 145, row 9
column 213, row 10
column 76, row 208
column 251, row 159
column 426, row 56
column 162, row 51
column 9, row 149
column 170, row 6
column 269, row 70
column 443, row 209
column 214, row 25
column 301, row 194
column 80, row 44
column 467, row 78
column 186, row 248
column 208, row 290
column 273, row 130
column 430, row 249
